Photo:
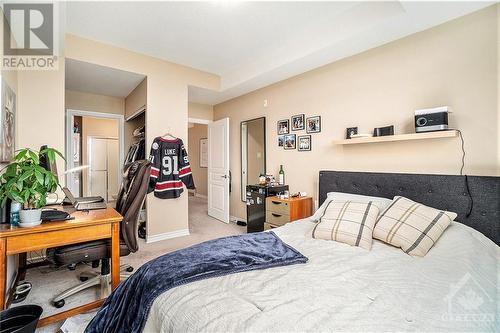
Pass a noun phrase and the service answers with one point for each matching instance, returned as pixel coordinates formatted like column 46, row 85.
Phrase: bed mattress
column 455, row 287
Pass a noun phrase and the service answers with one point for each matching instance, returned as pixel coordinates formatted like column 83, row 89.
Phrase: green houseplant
column 25, row 181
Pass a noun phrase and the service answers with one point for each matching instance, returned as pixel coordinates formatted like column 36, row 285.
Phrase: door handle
column 225, row 176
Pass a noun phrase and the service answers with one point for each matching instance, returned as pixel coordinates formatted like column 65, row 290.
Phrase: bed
column 345, row 288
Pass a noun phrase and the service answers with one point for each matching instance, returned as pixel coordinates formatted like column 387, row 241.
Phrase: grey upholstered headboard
column 438, row 191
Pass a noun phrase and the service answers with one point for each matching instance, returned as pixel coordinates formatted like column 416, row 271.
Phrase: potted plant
column 25, row 181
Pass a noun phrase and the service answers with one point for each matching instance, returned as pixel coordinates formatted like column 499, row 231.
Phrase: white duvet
column 455, row 287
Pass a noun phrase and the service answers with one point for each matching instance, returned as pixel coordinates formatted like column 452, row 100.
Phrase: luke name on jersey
column 170, row 168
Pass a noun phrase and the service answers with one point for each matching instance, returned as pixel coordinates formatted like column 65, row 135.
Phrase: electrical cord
column 471, row 200
column 463, row 152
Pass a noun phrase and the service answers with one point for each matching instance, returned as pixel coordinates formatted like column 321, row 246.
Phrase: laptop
column 85, row 203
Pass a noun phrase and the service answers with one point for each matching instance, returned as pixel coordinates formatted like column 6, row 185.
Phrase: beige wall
column 100, row 127
column 195, row 133
column 167, row 101
column 83, row 101
column 200, row 111
column 41, row 109
column 453, row 64
column 136, row 100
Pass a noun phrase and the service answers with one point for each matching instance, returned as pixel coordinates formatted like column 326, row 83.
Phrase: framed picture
column 281, row 140
column 298, row 122
column 350, row 131
column 7, row 123
column 283, row 126
column 289, row 142
column 313, row 124
column 304, row 143
column 204, row 153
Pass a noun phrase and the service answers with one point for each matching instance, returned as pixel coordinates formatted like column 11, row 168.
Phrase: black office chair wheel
column 130, row 269
column 72, row 267
column 84, row 278
column 59, row 304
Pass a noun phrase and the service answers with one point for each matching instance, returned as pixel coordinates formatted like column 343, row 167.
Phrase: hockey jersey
column 169, row 168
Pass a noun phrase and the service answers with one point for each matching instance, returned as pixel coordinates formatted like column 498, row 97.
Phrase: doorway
column 95, row 147
column 198, row 159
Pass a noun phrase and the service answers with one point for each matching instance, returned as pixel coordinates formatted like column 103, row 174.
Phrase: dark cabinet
column 256, row 204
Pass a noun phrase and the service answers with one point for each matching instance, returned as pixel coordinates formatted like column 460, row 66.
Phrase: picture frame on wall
column 281, row 140
column 283, row 126
column 7, row 122
column 204, row 153
column 290, row 142
column 298, row 122
column 313, row 124
column 304, row 143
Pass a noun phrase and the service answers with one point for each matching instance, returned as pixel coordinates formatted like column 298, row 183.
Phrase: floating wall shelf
column 399, row 137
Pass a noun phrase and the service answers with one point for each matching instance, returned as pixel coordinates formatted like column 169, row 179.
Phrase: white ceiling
column 254, row 44
column 95, row 79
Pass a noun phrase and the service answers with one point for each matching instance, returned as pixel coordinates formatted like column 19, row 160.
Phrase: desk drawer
column 279, row 207
column 43, row 240
column 276, row 218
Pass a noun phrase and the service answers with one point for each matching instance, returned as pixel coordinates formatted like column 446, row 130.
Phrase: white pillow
column 381, row 203
column 413, row 227
column 348, row 222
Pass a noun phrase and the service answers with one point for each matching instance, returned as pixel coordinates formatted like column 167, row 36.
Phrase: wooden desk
column 87, row 226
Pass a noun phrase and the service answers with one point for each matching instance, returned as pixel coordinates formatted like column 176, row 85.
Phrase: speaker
column 383, row 131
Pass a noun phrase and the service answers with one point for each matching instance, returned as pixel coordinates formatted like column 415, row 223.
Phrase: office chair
column 129, row 203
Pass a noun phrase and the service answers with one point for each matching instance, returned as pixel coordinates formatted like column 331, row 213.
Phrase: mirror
column 253, row 152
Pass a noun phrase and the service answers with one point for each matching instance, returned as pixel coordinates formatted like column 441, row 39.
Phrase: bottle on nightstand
column 281, row 177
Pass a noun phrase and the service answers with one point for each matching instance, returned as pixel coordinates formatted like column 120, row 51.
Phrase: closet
column 135, row 134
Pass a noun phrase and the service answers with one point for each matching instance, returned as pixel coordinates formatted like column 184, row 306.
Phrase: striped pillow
column 412, row 226
column 347, row 222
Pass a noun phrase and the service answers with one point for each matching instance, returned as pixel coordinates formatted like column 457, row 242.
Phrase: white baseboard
column 167, row 235
column 201, row 196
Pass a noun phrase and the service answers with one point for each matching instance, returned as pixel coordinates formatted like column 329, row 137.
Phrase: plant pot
column 30, row 217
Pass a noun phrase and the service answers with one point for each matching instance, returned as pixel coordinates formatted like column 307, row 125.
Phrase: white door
column 218, row 169
column 97, row 151
column 103, row 167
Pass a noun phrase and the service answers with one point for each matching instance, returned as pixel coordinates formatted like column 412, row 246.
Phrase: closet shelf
column 399, row 137
column 137, row 113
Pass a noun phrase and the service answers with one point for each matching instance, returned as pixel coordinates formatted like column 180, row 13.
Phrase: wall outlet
column 265, row 103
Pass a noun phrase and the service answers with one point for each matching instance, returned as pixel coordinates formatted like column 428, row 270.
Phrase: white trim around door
column 199, row 121
column 70, row 114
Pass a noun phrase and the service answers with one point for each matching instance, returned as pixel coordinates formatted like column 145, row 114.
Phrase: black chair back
column 131, row 198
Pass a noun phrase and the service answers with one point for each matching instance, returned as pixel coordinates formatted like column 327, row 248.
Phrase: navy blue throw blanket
column 127, row 308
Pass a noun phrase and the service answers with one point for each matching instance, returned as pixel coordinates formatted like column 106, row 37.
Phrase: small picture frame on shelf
column 313, row 124
column 289, row 142
column 281, row 140
column 283, row 126
column 350, row 131
column 298, row 122
column 304, row 143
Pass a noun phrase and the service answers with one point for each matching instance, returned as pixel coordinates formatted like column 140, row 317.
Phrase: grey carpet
column 47, row 282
